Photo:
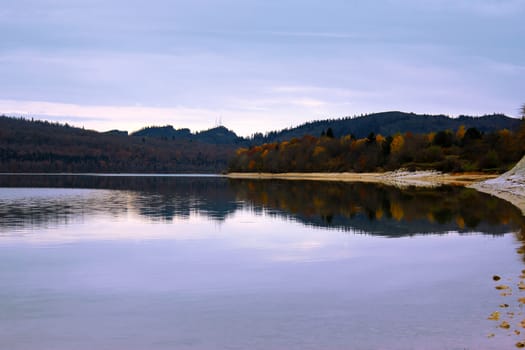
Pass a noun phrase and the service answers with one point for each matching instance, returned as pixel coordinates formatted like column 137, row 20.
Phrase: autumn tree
column 460, row 133
column 444, row 150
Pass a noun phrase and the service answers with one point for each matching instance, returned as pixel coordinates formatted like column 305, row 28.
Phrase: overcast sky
column 258, row 65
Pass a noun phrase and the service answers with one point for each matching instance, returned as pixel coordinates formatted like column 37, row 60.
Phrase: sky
column 257, row 65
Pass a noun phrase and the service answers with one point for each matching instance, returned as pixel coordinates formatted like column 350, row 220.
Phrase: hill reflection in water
column 43, row 200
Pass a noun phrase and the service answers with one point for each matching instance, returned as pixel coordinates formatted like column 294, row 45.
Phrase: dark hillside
column 218, row 135
column 37, row 146
column 390, row 123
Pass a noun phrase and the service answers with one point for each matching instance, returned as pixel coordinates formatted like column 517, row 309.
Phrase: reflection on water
column 212, row 263
column 43, row 200
column 380, row 209
column 359, row 207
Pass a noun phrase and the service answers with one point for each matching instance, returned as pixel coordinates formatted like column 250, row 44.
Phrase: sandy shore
column 396, row 178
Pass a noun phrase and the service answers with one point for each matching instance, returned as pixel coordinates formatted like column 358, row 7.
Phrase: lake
column 204, row 262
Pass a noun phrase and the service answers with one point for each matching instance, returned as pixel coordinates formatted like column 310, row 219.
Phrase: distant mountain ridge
column 384, row 123
column 218, row 135
column 390, row 123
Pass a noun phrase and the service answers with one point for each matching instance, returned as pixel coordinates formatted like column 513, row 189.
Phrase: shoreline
column 515, row 196
column 509, row 186
column 491, row 184
column 395, row 178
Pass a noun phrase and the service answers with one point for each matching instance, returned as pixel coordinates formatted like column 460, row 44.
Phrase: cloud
column 326, row 35
column 245, row 118
column 493, row 7
column 309, row 102
column 262, row 66
column 133, row 117
column 480, row 7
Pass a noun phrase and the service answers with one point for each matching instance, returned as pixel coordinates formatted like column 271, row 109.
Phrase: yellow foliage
column 397, row 144
column 431, row 136
column 318, row 150
column 504, row 133
column 265, row 153
column 380, row 138
column 241, row 151
column 358, row 143
column 461, row 132
column 346, row 139
column 460, row 221
column 397, row 211
column 379, row 214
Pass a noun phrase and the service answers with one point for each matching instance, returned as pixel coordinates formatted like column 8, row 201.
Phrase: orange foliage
column 241, row 151
column 358, row 144
column 397, row 144
column 318, row 150
column 460, row 222
column 309, row 138
column 461, row 132
column 397, row 211
column 504, row 133
column 345, row 139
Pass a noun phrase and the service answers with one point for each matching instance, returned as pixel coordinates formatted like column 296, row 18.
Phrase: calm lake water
column 145, row 262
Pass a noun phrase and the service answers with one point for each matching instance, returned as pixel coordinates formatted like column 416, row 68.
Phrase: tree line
column 39, row 146
column 464, row 149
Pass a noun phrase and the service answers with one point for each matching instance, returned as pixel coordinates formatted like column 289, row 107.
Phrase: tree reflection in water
column 381, row 209
column 361, row 207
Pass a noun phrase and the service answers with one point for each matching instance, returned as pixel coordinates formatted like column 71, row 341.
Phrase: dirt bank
column 395, row 178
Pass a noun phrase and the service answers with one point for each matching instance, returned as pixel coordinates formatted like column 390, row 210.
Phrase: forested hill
column 38, row 146
column 218, row 135
column 447, row 150
column 390, row 123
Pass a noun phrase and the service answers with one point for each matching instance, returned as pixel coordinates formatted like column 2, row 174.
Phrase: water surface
column 114, row 262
